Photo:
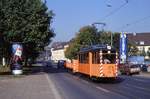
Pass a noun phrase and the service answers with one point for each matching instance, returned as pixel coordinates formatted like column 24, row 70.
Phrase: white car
column 130, row 69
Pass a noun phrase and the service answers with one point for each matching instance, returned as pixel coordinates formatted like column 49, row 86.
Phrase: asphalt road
column 78, row 86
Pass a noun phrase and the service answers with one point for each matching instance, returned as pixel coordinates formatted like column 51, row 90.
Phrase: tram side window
column 84, row 58
column 95, row 58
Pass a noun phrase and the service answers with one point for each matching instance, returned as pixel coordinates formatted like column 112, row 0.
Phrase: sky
column 118, row 15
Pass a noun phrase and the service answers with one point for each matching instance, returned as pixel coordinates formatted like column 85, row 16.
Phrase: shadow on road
column 31, row 70
column 35, row 70
column 109, row 80
column 98, row 80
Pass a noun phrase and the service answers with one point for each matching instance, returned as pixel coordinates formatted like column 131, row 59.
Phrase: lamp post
column 111, row 40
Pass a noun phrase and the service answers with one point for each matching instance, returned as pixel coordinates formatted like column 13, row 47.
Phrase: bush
column 4, row 69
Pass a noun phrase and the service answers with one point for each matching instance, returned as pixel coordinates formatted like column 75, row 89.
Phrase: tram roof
column 96, row 48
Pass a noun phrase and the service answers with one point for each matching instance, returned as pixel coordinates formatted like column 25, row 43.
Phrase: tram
column 100, row 61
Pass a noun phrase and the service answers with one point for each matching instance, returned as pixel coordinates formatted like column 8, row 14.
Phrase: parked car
column 61, row 63
column 129, row 69
column 39, row 63
column 143, row 67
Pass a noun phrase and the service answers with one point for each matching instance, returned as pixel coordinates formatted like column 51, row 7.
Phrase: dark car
column 143, row 67
column 61, row 63
column 41, row 63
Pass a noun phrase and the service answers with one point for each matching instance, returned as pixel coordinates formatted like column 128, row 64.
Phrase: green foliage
column 132, row 49
column 142, row 53
column 72, row 50
column 116, row 40
column 105, row 37
column 148, row 52
column 87, row 36
column 26, row 21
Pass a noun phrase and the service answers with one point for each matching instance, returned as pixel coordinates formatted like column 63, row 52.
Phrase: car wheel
column 138, row 73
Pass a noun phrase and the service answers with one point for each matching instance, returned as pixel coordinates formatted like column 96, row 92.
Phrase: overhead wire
column 134, row 22
column 115, row 10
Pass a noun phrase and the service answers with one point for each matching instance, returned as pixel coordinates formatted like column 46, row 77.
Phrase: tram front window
column 109, row 58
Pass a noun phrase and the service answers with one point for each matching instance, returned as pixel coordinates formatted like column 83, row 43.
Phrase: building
column 141, row 40
column 58, row 51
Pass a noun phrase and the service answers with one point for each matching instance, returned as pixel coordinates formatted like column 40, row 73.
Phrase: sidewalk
column 145, row 74
column 37, row 86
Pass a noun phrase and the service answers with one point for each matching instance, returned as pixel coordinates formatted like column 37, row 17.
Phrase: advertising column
column 123, row 48
column 16, row 63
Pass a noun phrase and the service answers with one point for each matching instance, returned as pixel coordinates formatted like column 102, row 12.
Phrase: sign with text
column 17, row 49
column 16, row 61
column 123, row 47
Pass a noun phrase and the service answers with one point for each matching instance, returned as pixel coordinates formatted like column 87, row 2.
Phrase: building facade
column 141, row 40
column 58, row 51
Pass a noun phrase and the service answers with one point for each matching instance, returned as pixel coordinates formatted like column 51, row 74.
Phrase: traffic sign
column 123, row 47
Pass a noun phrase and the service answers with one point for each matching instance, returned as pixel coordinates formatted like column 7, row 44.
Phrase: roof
column 142, row 39
column 96, row 48
column 59, row 45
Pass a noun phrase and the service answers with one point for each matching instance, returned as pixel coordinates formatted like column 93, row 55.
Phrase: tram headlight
column 108, row 47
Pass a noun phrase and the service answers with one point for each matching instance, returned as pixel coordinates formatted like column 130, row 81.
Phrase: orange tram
column 99, row 61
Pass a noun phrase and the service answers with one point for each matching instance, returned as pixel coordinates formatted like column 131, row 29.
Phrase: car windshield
column 134, row 66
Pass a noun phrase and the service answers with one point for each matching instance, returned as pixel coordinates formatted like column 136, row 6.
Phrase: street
column 50, row 82
column 72, row 86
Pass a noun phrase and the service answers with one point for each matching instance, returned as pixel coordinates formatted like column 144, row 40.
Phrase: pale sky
column 71, row 15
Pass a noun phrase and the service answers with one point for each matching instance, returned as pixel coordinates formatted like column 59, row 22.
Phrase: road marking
column 138, row 87
column 53, row 88
column 84, row 81
column 141, row 80
column 102, row 89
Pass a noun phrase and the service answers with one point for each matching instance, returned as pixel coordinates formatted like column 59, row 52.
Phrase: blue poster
column 17, row 49
column 123, row 48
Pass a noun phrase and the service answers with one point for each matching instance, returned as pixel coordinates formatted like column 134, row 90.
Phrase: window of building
column 141, row 42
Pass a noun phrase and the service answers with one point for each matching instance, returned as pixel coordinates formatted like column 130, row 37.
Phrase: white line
column 102, row 89
column 138, row 87
column 140, row 80
column 53, row 88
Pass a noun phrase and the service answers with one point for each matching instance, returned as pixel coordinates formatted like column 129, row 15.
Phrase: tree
column 105, row 37
column 71, row 52
column 116, row 40
column 89, row 35
column 26, row 21
column 148, row 52
column 85, row 37
column 142, row 53
column 132, row 49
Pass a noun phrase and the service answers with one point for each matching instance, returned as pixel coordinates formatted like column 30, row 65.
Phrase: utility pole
column 111, row 39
